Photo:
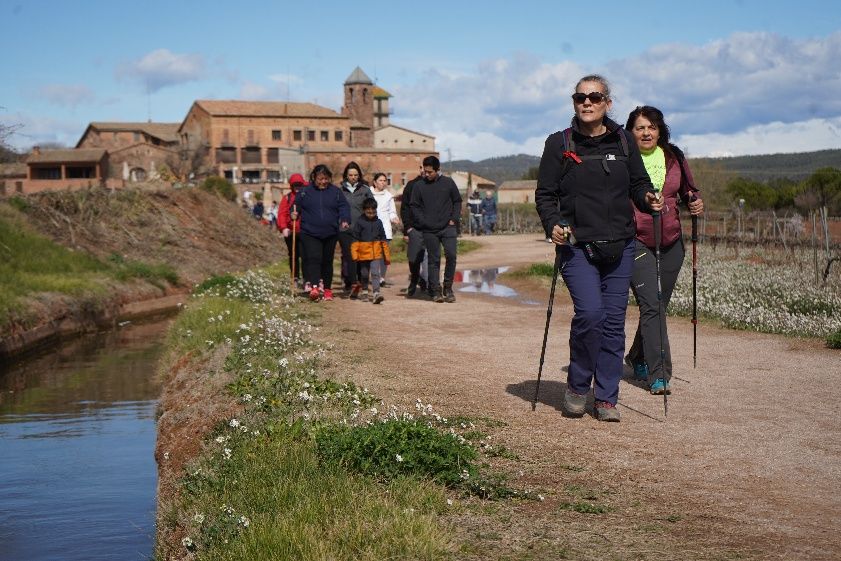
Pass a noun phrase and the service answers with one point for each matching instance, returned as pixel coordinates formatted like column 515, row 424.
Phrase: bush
column 220, row 186
column 396, row 448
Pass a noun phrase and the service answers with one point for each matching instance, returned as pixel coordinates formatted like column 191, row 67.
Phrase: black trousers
column 318, row 259
column 448, row 237
column 350, row 268
column 646, row 346
column 299, row 258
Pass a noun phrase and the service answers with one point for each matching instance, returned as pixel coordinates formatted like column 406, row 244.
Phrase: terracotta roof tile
column 231, row 108
column 168, row 132
column 71, row 156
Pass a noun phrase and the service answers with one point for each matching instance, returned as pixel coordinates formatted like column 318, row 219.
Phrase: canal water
column 77, row 436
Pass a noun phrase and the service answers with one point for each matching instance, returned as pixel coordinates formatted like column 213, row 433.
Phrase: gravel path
column 746, row 465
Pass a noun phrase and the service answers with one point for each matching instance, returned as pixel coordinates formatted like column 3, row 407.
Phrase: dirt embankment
column 196, row 233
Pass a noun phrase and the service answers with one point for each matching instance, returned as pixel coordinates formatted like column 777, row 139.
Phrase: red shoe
column 328, row 294
column 354, row 290
column 315, row 295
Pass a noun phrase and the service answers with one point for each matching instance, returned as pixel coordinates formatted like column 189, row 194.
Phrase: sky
column 487, row 79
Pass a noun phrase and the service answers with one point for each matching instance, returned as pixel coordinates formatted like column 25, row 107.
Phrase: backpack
column 570, row 156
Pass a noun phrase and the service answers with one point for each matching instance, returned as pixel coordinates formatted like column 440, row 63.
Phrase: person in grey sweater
column 436, row 210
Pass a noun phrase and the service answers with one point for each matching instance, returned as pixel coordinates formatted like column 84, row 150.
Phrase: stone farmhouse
column 248, row 142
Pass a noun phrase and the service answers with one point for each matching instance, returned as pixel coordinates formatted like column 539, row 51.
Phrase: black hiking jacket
column 592, row 196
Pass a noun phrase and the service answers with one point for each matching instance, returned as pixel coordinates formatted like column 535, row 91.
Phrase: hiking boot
column 606, row 411
column 448, row 294
column 437, row 296
column 314, row 294
column 354, row 291
column 660, row 387
column 364, row 296
column 378, row 298
column 574, row 404
column 640, row 369
column 328, row 294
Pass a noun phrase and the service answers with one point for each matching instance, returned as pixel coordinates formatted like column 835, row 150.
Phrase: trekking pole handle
column 570, row 237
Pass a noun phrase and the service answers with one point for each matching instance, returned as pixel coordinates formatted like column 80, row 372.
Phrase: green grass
column 299, row 507
column 310, row 469
column 31, row 264
column 834, row 340
column 539, row 270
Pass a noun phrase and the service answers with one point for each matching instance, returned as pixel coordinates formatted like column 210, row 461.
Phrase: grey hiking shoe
column 574, row 403
column 606, row 411
column 437, row 297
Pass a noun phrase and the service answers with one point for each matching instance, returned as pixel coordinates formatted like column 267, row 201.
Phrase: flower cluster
column 762, row 292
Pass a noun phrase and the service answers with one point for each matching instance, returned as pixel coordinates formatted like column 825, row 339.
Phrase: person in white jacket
column 386, row 212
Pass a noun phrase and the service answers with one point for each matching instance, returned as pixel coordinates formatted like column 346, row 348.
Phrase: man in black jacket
column 415, row 252
column 436, row 210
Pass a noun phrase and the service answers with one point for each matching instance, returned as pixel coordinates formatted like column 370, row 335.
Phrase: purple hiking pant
column 597, row 334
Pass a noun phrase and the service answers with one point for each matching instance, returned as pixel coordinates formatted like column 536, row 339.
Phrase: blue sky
column 487, row 79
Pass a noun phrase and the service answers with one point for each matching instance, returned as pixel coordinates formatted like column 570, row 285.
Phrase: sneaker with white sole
column 574, row 404
column 660, row 387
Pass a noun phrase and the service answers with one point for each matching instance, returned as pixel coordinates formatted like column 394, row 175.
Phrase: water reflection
column 484, row 281
column 77, row 434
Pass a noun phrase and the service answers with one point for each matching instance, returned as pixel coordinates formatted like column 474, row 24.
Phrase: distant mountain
column 498, row 169
column 771, row 166
column 760, row 168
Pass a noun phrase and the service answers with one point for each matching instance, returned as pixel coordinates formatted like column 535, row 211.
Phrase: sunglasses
column 594, row 97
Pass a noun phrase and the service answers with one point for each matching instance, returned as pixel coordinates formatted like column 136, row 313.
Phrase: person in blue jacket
column 488, row 208
column 324, row 213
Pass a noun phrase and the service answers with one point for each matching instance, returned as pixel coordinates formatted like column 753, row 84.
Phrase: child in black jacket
column 368, row 247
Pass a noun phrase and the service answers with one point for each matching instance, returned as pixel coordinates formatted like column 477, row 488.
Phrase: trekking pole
column 658, row 234
column 292, row 272
column 694, row 289
column 548, row 317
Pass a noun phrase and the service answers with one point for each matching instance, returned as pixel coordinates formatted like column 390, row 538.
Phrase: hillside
column 760, row 168
column 106, row 251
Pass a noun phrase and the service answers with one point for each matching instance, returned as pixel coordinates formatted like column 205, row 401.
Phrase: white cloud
column 252, row 91
column 41, row 130
column 161, row 68
column 749, row 92
column 777, row 137
column 66, row 95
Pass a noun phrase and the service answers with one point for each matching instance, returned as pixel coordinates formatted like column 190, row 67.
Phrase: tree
column 531, row 174
column 756, row 195
column 823, row 187
column 786, row 190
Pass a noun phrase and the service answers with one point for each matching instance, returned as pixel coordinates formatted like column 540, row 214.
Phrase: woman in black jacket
column 587, row 174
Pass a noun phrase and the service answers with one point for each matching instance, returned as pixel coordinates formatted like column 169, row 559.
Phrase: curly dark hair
column 656, row 117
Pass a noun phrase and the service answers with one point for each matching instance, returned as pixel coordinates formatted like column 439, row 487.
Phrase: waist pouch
column 603, row 252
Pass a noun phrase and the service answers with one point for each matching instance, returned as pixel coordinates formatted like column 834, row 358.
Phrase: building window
column 338, row 136
column 389, row 179
column 297, row 136
column 310, row 136
column 273, row 156
column 403, row 178
column 325, row 136
column 250, row 155
column 226, row 155
column 47, row 173
column 276, row 135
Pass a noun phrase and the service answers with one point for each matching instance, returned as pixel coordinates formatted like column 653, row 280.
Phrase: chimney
column 36, row 150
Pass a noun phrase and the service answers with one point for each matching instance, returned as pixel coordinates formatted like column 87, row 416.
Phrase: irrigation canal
column 77, row 435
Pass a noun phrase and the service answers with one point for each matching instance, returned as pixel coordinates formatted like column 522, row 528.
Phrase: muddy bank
column 195, row 233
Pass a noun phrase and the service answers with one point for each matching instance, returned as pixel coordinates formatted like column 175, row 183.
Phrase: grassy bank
column 312, row 467
column 769, row 291
column 33, row 266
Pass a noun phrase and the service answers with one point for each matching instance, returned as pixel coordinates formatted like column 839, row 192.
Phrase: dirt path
column 747, row 465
